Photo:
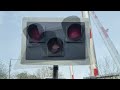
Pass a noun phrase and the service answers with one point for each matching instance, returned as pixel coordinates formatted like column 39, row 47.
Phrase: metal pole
column 55, row 72
column 10, row 67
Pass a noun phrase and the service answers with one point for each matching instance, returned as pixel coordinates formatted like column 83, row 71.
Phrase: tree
column 22, row 75
column 3, row 71
column 45, row 72
column 41, row 73
column 107, row 67
column 32, row 77
column 25, row 75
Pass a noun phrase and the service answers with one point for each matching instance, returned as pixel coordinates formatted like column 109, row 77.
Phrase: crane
column 109, row 44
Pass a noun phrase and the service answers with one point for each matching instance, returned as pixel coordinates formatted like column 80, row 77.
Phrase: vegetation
column 3, row 71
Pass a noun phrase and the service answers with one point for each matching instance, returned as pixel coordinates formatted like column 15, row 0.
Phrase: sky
column 11, row 31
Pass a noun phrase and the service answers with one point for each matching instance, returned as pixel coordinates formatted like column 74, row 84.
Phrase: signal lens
column 55, row 45
column 74, row 32
column 34, row 33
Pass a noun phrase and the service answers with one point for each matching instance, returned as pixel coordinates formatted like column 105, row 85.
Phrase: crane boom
column 109, row 44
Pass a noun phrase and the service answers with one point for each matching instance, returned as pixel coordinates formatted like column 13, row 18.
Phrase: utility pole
column 92, row 55
column 10, row 65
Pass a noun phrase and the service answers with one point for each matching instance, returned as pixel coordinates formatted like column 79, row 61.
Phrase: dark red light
column 74, row 32
column 55, row 45
column 34, row 33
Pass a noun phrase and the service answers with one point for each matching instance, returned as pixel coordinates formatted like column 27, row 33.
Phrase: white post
column 85, row 14
column 93, row 63
column 71, row 72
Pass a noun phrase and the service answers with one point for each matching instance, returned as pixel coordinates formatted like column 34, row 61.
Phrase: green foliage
column 25, row 75
column 3, row 71
column 42, row 73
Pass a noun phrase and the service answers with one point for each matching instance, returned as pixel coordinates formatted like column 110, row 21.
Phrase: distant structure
column 110, row 76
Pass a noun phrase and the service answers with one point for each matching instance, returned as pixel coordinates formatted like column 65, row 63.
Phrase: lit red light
column 34, row 33
column 74, row 32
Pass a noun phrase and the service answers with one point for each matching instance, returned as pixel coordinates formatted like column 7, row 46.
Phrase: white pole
column 93, row 63
column 71, row 72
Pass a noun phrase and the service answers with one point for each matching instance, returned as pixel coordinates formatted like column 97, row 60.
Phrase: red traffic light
column 74, row 32
column 55, row 45
column 35, row 33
